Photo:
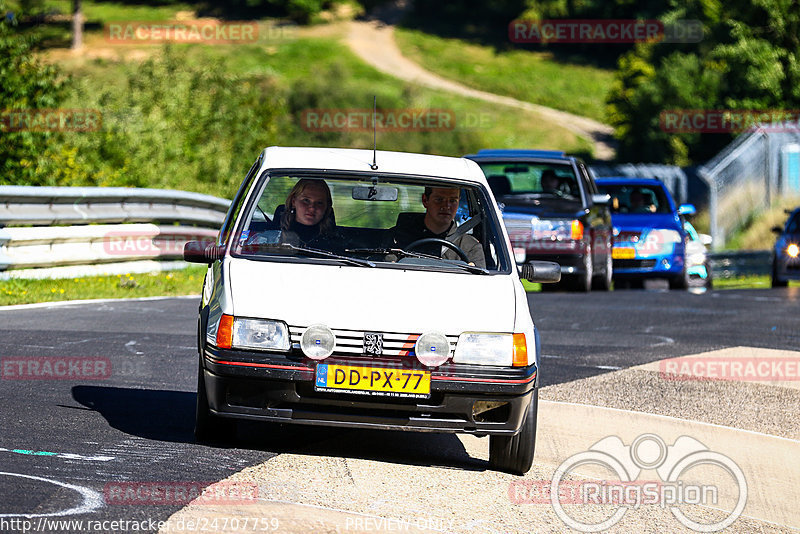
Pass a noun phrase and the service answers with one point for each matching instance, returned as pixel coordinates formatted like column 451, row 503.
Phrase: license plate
column 411, row 383
column 623, row 253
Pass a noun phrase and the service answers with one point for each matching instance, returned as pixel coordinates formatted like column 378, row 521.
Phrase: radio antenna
column 374, row 165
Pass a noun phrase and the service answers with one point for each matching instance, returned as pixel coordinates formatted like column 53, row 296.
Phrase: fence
column 57, row 232
column 747, row 176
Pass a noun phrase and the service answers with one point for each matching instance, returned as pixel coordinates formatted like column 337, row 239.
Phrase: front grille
column 627, row 237
column 350, row 343
column 634, row 264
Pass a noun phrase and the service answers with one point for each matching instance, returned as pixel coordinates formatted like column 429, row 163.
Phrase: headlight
column 260, row 334
column 432, row 349
column 658, row 243
column 492, row 349
column 793, row 250
column 318, row 342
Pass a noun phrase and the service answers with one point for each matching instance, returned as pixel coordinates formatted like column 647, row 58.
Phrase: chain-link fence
column 747, row 176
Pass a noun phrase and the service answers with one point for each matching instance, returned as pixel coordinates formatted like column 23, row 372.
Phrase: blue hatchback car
column 649, row 235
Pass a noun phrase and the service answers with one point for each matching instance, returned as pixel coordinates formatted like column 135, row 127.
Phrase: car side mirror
column 202, row 252
column 603, row 200
column 543, row 272
column 686, row 209
column 777, row 229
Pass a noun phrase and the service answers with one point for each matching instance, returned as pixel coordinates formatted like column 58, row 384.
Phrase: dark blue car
column 552, row 211
column 649, row 235
column 786, row 253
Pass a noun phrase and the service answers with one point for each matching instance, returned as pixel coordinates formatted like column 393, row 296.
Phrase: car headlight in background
column 793, row 250
column 479, row 348
column 658, row 242
column 255, row 334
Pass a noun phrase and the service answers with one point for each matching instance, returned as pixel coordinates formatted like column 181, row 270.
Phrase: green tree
column 25, row 84
column 748, row 59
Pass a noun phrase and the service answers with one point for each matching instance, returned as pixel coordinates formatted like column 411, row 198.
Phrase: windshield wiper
column 411, row 254
column 316, row 252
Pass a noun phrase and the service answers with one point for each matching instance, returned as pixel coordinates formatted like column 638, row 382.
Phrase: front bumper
column 649, row 267
column 276, row 388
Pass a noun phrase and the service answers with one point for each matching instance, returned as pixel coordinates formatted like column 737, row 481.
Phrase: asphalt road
column 132, row 421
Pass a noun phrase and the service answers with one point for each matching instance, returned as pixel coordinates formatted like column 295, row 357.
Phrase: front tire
column 208, row 427
column 602, row 281
column 514, row 454
column 776, row 280
column 681, row 281
column 583, row 282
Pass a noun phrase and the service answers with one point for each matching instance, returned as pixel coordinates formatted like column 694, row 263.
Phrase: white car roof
column 348, row 159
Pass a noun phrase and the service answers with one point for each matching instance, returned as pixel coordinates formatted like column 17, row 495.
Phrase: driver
column 441, row 204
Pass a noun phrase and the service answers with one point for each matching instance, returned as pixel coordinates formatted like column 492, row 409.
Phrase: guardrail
column 149, row 228
column 732, row 264
column 26, row 205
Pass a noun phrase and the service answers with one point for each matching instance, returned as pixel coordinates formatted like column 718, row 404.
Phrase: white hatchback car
column 368, row 289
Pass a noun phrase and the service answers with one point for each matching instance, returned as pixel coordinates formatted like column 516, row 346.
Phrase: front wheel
column 776, row 280
column 514, row 454
column 208, row 427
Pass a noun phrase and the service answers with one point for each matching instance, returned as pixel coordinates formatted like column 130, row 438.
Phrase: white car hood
column 363, row 298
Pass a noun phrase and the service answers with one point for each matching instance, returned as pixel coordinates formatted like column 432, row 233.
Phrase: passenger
column 637, row 202
column 441, row 205
column 308, row 219
column 550, row 182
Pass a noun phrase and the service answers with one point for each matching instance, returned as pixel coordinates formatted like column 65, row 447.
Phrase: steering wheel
column 452, row 246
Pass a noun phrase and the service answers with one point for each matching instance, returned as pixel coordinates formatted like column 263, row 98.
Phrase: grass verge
column 530, row 76
column 742, row 282
column 188, row 281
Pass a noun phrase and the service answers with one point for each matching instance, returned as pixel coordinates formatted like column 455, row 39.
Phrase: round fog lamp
column 432, row 349
column 318, row 342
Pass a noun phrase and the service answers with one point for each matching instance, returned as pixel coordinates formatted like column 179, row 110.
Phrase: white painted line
column 92, row 500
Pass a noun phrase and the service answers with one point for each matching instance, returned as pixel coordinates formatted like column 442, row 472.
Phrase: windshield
column 794, row 225
column 636, row 198
column 533, row 180
column 371, row 221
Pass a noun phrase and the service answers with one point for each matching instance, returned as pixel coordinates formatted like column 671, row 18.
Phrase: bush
column 171, row 124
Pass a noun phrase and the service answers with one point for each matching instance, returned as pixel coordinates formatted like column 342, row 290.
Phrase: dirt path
column 373, row 41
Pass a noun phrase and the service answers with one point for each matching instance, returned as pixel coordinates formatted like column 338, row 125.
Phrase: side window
column 238, row 202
